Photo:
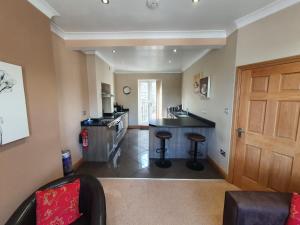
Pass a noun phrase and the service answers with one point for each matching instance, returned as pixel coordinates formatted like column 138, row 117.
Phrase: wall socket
column 222, row 152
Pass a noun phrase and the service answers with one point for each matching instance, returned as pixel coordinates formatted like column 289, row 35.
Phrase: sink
column 182, row 115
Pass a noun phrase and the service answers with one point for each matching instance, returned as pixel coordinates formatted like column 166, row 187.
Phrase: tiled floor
column 133, row 162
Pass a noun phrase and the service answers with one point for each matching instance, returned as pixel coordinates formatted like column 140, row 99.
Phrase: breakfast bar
column 179, row 146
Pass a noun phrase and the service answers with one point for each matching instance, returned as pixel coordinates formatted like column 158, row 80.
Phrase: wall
column 171, row 91
column 220, row 66
column 98, row 71
column 73, row 99
column 273, row 37
column 27, row 164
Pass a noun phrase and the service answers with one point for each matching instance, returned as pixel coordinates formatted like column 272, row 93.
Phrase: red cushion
column 294, row 217
column 58, row 206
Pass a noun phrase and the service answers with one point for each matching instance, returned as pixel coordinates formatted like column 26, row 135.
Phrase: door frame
column 236, row 105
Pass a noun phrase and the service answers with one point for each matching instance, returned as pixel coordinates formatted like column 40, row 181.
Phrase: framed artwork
column 205, row 87
column 13, row 111
column 196, row 83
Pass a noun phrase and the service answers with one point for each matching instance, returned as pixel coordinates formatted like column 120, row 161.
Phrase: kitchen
column 119, row 145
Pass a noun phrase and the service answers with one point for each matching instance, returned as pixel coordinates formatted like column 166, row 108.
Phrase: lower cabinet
column 103, row 141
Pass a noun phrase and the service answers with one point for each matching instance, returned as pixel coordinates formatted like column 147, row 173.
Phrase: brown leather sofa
column 256, row 208
column 91, row 203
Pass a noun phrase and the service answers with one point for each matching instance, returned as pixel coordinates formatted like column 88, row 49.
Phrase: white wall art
column 13, row 112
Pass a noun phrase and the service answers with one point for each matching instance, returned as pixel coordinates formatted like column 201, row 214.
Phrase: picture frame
column 204, row 86
column 13, row 111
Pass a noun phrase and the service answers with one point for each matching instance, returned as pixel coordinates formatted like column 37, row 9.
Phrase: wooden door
column 268, row 150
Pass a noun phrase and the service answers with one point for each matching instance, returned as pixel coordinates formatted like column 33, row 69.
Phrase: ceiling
column 78, row 17
column 151, row 58
column 133, row 15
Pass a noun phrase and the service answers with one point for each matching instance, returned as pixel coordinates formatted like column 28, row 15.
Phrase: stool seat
column 196, row 137
column 163, row 135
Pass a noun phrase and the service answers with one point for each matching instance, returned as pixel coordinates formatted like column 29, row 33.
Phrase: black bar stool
column 194, row 164
column 163, row 162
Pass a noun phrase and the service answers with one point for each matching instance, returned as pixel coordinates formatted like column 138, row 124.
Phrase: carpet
column 164, row 202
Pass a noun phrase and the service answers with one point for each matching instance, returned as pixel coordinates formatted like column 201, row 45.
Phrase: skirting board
column 217, row 167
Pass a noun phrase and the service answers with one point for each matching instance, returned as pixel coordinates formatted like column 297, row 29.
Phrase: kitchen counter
column 104, row 136
column 179, row 146
column 189, row 121
column 103, row 121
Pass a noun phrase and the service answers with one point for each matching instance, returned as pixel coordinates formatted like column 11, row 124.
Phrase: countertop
column 190, row 121
column 103, row 120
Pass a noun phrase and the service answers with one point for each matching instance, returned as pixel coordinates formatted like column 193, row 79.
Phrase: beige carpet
column 165, row 202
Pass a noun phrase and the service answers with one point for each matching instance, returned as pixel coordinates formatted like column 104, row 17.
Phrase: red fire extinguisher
column 84, row 138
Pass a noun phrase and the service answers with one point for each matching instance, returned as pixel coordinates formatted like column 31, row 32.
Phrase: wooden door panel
column 288, row 120
column 268, row 154
column 290, row 81
column 260, row 84
column 280, row 172
column 256, row 121
column 271, row 118
column 252, row 162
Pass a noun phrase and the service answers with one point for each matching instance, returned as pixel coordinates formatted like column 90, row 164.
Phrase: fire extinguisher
column 84, row 139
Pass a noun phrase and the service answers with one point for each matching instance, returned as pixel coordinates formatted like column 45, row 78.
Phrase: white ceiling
column 151, row 58
column 133, row 15
column 78, row 18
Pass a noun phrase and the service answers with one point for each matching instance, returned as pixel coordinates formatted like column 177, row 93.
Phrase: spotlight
column 105, row 1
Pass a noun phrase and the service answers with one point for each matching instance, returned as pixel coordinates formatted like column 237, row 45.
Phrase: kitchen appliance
column 107, row 98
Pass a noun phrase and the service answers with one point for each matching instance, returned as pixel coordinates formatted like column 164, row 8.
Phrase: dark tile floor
column 132, row 161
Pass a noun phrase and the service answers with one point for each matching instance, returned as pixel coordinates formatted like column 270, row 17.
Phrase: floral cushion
column 58, row 206
column 294, row 217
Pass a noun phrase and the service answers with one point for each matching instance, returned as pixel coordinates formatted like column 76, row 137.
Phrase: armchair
column 91, row 203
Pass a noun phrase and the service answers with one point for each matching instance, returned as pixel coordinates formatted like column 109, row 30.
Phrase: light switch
column 226, row 111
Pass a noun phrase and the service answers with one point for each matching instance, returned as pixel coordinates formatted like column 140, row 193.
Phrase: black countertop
column 190, row 121
column 103, row 121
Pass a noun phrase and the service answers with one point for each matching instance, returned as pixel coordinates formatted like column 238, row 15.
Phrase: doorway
column 147, row 101
column 266, row 135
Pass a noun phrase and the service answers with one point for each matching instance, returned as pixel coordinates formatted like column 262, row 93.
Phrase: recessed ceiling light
column 152, row 4
column 105, row 1
column 174, row 50
column 170, row 61
column 195, row 1
column 114, row 51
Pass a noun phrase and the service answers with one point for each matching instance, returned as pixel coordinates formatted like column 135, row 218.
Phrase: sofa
column 91, row 203
column 256, row 208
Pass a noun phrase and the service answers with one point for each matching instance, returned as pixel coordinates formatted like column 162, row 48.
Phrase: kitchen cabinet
column 104, row 139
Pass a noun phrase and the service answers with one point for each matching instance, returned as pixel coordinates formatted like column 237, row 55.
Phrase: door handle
column 240, row 131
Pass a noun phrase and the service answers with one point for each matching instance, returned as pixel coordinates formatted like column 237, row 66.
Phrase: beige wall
column 171, row 91
column 26, row 164
column 220, row 66
column 98, row 71
column 73, row 100
column 273, row 37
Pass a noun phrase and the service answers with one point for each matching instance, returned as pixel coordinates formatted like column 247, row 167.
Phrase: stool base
column 163, row 163
column 194, row 165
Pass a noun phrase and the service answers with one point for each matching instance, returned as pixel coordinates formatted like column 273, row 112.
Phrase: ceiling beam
column 209, row 42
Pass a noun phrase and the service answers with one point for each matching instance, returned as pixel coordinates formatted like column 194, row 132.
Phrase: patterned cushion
column 58, row 206
column 294, row 217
